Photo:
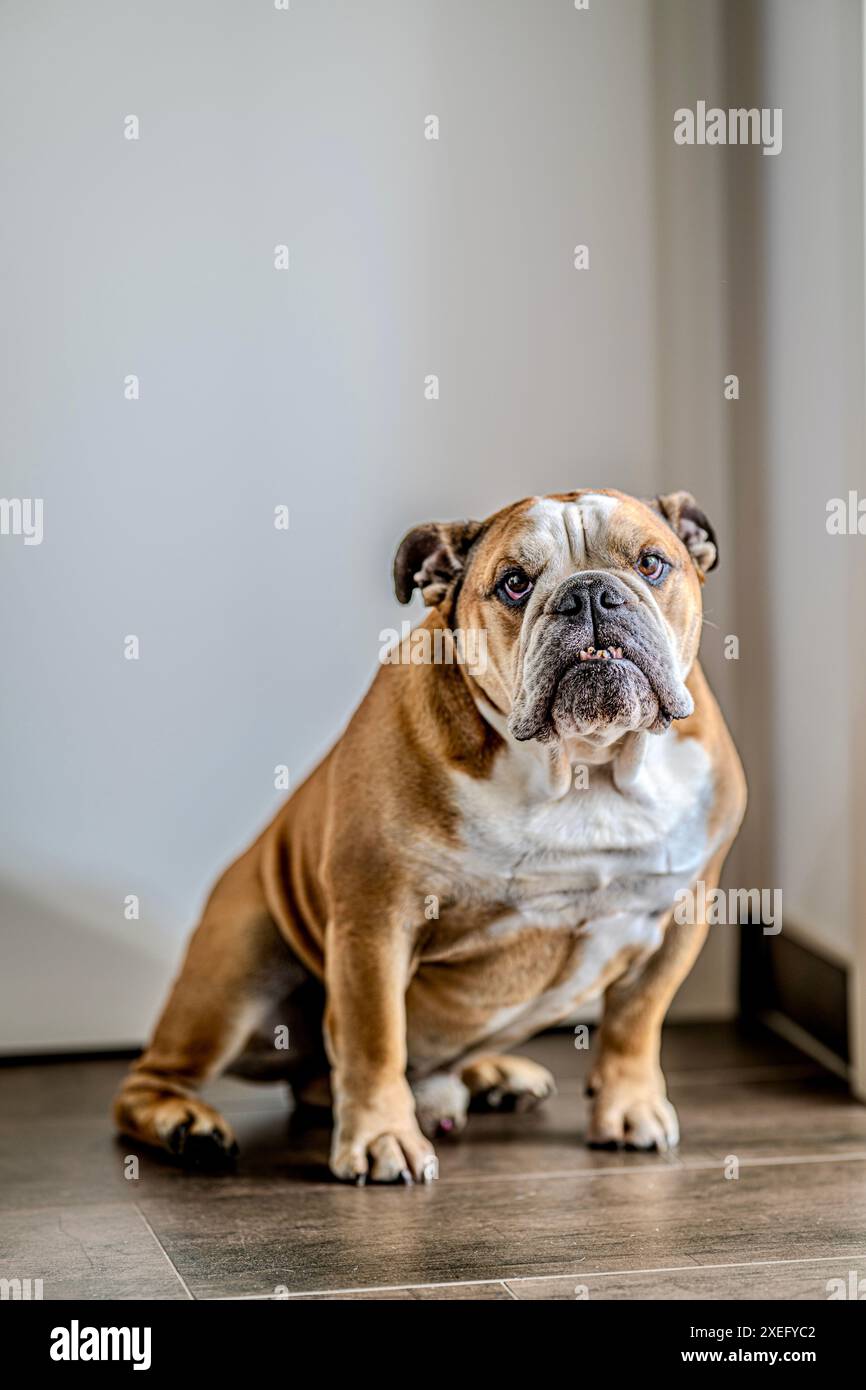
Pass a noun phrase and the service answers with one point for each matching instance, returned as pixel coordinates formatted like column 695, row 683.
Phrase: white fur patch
column 594, row 851
column 574, row 527
column 603, row 861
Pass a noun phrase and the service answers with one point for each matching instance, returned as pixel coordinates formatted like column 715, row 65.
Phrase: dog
column 489, row 844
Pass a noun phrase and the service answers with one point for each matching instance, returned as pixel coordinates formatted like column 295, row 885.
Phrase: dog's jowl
column 551, row 801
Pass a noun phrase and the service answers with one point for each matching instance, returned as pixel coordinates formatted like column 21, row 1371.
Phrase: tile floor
column 521, row 1210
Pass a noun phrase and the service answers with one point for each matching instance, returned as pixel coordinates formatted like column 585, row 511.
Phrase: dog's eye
column 514, row 588
column 652, row 567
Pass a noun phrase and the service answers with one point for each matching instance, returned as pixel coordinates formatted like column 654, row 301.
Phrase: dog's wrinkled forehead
column 590, row 530
column 574, row 532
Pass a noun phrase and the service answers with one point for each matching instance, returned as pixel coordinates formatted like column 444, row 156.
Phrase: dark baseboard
column 782, row 975
column 95, row 1054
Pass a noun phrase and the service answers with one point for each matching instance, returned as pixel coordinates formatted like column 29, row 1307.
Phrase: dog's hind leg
column 236, row 968
column 507, row 1082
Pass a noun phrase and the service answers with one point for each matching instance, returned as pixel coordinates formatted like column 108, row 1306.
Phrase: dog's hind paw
column 441, row 1104
column 507, row 1083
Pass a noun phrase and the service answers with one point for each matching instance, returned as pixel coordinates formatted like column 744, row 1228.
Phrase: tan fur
column 324, row 924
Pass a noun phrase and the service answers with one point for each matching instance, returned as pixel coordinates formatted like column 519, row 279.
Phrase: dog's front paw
column 381, row 1142
column 631, row 1110
column 193, row 1133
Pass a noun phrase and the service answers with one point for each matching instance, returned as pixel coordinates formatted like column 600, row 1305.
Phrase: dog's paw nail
column 361, row 1180
column 209, row 1152
column 406, row 1177
column 178, row 1137
column 431, row 1170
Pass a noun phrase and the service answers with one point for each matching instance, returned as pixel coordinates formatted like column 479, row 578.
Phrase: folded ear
column 683, row 515
column 430, row 558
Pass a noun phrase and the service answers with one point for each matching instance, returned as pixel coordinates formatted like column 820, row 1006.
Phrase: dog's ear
column 683, row 515
column 430, row 558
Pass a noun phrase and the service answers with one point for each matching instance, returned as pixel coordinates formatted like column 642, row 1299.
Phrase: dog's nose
column 585, row 595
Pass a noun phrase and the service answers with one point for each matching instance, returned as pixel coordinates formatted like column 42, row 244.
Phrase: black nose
column 585, row 596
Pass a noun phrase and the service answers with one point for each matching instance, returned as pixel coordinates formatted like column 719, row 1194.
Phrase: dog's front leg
column 627, row 1085
column 376, row 1134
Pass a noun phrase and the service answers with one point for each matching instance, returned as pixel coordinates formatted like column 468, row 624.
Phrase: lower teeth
column 605, row 654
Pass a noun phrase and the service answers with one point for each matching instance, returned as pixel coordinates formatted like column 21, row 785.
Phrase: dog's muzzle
column 597, row 657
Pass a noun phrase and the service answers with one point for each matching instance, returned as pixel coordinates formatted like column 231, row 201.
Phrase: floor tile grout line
column 371, row 1288
column 536, row 1278
column 165, row 1254
column 692, row 1268
column 278, row 1184
column 685, row 1165
column 671, row 1165
column 674, row 1165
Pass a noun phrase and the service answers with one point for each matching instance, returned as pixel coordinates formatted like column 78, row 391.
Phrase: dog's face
column 590, row 602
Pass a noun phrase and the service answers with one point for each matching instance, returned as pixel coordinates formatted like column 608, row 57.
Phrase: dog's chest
column 549, row 900
column 593, row 852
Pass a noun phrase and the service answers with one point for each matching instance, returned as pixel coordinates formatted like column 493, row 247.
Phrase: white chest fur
column 592, row 851
column 596, row 864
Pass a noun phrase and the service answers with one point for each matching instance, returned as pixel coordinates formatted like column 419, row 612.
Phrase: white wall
column 816, row 446
column 259, row 387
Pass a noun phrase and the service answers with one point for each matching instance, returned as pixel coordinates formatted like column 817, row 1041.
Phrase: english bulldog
column 490, row 844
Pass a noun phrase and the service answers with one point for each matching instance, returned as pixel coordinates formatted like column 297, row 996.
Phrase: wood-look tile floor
column 522, row 1210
